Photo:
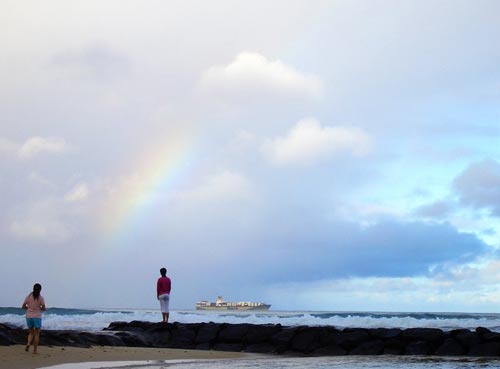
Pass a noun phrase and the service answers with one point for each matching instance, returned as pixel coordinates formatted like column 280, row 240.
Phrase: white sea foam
column 99, row 320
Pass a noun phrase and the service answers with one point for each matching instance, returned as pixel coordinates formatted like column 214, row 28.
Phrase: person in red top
column 163, row 287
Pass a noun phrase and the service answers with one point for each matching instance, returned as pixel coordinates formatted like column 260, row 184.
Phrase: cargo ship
column 220, row 304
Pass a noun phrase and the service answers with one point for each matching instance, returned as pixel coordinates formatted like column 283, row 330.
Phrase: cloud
column 308, row 142
column 251, row 74
column 464, row 288
column 39, row 145
column 7, row 146
column 38, row 179
column 478, row 186
column 223, row 187
column 437, row 209
column 343, row 249
column 370, row 213
column 98, row 61
column 78, row 193
column 43, row 220
column 39, row 230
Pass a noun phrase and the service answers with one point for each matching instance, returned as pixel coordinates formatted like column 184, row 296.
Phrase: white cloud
column 251, row 74
column 37, row 145
column 40, row 230
column 7, row 147
column 79, row 193
column 33, row 146
column 98, row 60
column 225, row 185
column 369, row 213
column 44, row 220
column 308, row 142
column 37, row 178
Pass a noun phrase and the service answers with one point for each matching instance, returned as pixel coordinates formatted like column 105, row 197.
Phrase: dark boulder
column 330, row 350
column 5, row 338
column 466, row 337
column 305, row 340
column 261, row 333
column 233, row 333
column 417, row 348
column 351, row 338
column 492, row 336
column 128, row 339
column 394, row 346
column 109, row 340
column 224, row 346
column 183, row 336
column 328, row 336
column 134, row 325
column 282, row 339
column 386, row 333
column 368, row 348
column 485, row 349
column 261, row 348
column 207, row 333
column 450, row 347
column 203, row 346
column 431, row 335
column 482, row 331
column 75, row 339
column 160, row 339
column 160, row 328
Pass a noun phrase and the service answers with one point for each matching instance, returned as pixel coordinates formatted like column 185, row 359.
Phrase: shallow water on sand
column 352, row 362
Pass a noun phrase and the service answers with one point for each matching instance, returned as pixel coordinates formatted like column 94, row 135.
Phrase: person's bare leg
column 30, row 338
column 35, row 341
column 166, row 315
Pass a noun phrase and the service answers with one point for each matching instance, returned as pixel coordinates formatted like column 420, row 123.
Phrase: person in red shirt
column 163, row 287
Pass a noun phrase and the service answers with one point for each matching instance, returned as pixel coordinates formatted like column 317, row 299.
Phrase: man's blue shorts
column 34, row 323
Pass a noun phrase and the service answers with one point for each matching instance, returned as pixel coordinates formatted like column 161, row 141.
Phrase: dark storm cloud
column 478, row 186
column 437, row 209
column 389, row 249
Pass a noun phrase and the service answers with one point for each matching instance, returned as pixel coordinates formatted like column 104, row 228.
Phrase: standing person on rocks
column 163, row 287
column 34, row 304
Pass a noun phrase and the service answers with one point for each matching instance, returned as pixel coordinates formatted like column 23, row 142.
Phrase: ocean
column 97, row 319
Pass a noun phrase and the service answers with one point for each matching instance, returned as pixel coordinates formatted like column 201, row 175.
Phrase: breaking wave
column 97, row 319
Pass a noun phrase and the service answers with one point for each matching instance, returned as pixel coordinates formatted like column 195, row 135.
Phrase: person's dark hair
column 36, row 290
column 163, row 272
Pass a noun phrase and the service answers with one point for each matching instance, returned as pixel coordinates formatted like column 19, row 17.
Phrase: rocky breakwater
column 274, row 339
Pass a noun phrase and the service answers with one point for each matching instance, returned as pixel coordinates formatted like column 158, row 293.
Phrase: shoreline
column 14, row 357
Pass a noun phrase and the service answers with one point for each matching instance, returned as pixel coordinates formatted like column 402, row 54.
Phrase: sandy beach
column 14, row 357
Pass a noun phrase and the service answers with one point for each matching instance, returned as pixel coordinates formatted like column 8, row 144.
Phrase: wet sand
column 14, row 357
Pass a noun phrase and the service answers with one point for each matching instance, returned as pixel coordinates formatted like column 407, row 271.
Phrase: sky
column 314, row 155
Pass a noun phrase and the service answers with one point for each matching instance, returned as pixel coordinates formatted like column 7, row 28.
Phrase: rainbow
column 159, row 171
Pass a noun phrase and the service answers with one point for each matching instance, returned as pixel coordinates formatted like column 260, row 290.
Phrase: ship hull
column 234, row 308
